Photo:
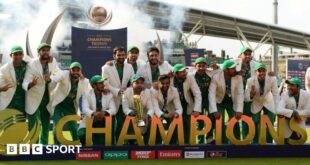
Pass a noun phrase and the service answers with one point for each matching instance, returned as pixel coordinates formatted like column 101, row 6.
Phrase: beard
column 293, row 93
column 120, row 61
column 153, row 62
column 45, row 57
column 75, row 75
column 101, row 89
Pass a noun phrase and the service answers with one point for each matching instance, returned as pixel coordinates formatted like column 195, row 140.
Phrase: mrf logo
column 142, row 154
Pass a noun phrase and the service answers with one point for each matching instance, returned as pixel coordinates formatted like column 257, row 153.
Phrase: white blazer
column 34, row 95
column 63, row 88
column 114, row 84
column 7, row 76
column 217, row 91
column 286, row 106
column 140, row 63
column 146, row 99
column 173, row 101
column 146, row 72
column 192, row 94
column 269, row 99
column 89, row 105
column 307, row 80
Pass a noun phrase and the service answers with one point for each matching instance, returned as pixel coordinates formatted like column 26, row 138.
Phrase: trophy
column 139, row 109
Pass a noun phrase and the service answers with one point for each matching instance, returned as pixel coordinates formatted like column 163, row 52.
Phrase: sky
column 21, row 16
column 292, row 14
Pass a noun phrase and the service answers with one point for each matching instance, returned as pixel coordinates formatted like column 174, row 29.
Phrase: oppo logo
column 115, row 155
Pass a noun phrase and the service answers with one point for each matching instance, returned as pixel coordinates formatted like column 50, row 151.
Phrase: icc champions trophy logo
column 14, row 129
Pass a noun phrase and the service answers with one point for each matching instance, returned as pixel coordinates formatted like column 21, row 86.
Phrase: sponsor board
column 115, row 155
column 142, row 154
column 169, row 154
column 194, row 154
column 216, row 154
column 89, row 155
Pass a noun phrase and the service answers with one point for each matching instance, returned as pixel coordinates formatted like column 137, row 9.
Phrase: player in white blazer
column 64, row 99
column 12, row 94
column 203, row 78
column 167, row 104
column 226, row 93
column 133, row 58
column 37, row 86
column 295, row 103
column 153, row 68
column 190, row 96
column 118, row 74
column 97, row 103
column 246, row 66
column 262, row 91
column 137, row 88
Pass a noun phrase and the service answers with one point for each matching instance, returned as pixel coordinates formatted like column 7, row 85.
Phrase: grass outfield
column 234, row 161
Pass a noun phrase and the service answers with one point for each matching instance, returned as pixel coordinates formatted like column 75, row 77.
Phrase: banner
column 17, row 143
column 191, row 55
column 92, row 48
column 297, row 68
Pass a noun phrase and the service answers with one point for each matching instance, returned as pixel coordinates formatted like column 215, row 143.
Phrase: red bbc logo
column 88, row 155
column 169, row 154
column 142, row 154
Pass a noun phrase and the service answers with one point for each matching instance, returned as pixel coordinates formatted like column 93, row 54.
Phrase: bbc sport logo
column 39, row 149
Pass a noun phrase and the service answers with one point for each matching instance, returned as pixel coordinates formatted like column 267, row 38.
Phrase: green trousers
column 97, row 138
column 117, row 124
column 228, row 106
column 247, row 112
column 256, row 120
column 146, row 135
column 42, row 115
column 186, row 126
column 174, row 138
column 63, row 109
column 18, row 105
column 200, row 126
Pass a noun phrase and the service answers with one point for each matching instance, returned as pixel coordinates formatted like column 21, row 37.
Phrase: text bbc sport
column 38, row 149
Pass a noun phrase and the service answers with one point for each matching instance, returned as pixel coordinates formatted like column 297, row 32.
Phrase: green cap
column 97, row 79
column 178, row 68
column 245, row 49
column 294, row 80
column 201, row 59
column 136, row 77
column 132, row 48
column 42, row 45
column 75, row 64
column 228, row 64
column 16, row 49
column 260, row 65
